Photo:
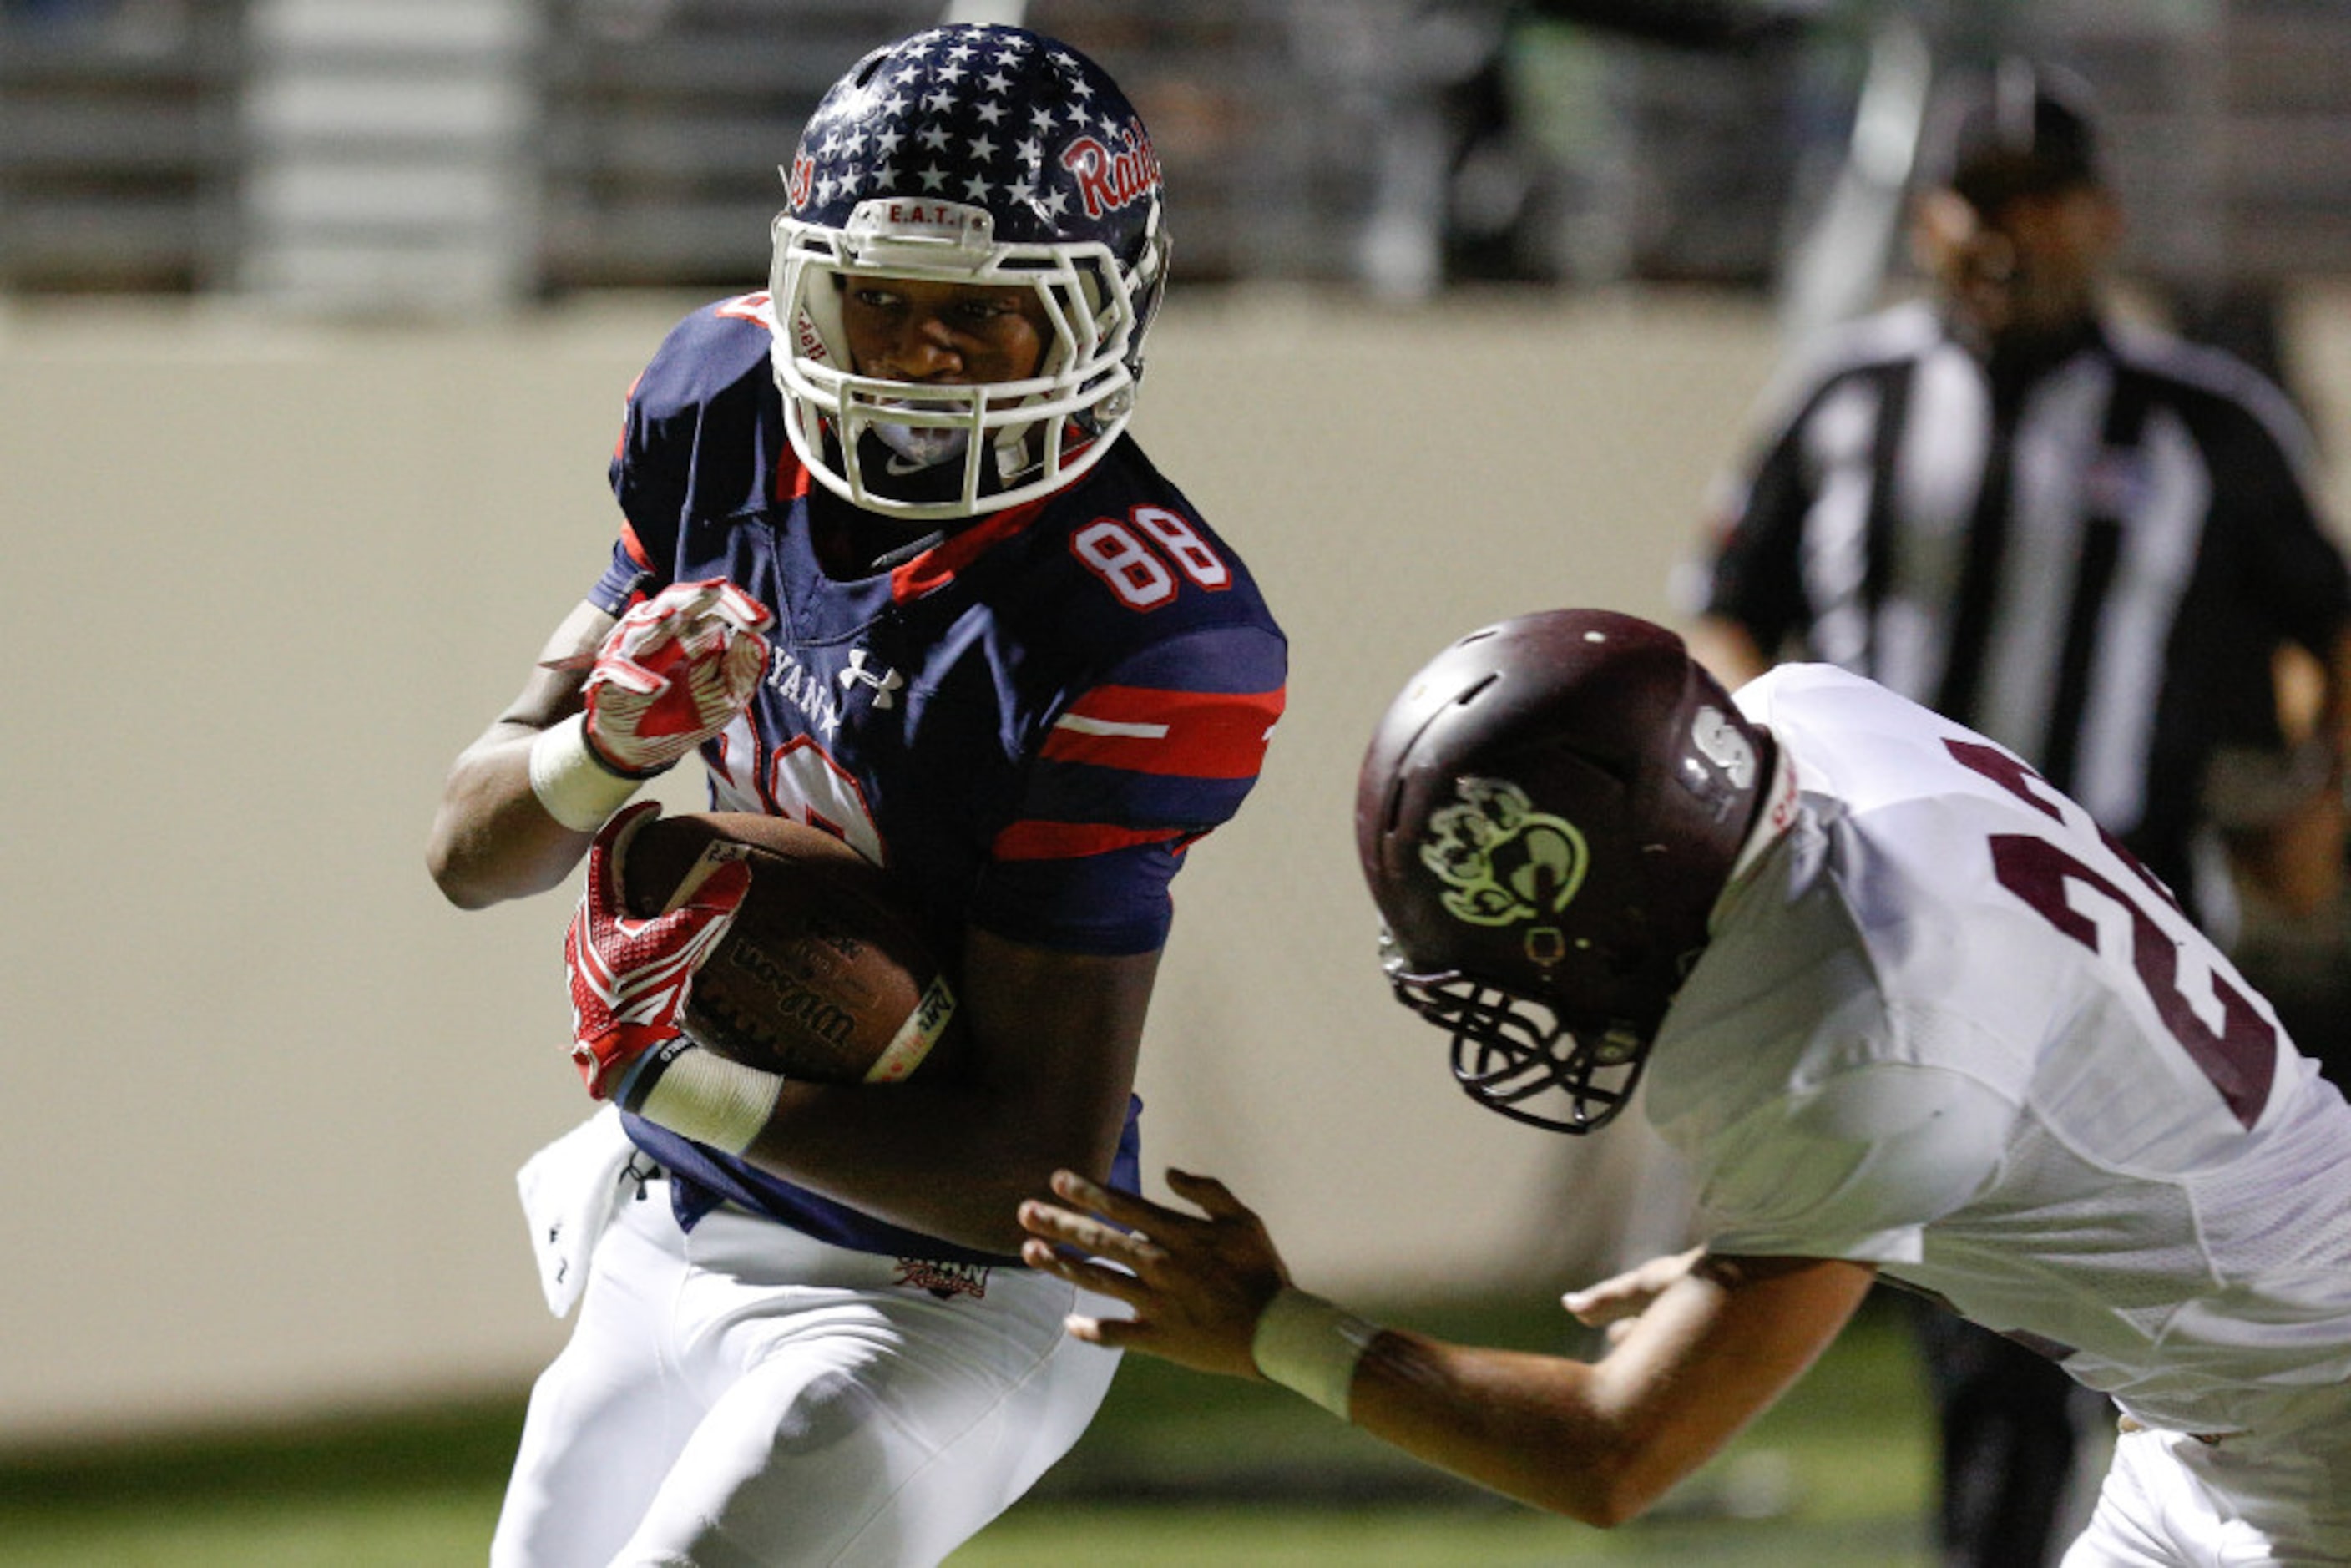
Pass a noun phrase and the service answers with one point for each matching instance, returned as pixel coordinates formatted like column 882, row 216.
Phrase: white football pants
column 745, row 1395
column 2278, row 1495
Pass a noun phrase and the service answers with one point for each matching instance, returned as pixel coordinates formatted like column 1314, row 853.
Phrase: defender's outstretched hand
column 1197, row 1284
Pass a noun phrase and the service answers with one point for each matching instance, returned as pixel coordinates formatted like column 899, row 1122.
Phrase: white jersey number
column 797, row 780
column 1134, row 564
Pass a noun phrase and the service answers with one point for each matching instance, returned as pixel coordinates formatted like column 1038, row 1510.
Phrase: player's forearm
column 1600, row 1442
column 1037, row 1079
column 496, row 836
column 492, row 839
column 1530, row 1426
column 950, row 1159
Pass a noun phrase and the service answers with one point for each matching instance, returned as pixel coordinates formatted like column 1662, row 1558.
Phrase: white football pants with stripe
column 745, row 1395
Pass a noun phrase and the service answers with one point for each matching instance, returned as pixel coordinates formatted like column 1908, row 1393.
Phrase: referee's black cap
column 2019, row 129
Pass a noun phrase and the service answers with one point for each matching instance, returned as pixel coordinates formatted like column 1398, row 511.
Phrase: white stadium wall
column 266, row 1091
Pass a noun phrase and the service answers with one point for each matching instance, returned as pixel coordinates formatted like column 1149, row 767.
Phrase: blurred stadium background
column 315, row 318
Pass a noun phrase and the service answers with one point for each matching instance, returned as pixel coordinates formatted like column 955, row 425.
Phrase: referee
column 2085, row 540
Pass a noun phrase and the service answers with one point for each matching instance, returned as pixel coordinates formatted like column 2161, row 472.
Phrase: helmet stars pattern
column 964, row 119
column 983, row 154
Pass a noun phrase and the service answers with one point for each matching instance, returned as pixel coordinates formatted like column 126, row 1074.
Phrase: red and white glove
column 631, row 978
column 674, row 672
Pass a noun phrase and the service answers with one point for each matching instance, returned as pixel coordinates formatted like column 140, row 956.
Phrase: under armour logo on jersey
column 883, row 683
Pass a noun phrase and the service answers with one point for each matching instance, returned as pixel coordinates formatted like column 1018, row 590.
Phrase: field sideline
column 1178, row 1470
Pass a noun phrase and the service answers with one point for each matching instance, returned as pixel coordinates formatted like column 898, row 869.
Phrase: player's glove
column 631, row 976
column 674, row 672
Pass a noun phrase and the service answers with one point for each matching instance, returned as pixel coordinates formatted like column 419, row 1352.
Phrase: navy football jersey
column 1028, row 717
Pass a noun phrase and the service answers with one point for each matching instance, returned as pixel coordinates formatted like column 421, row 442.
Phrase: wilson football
column 824, row 975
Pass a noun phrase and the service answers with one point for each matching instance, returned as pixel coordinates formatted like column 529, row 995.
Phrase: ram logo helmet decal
column 1502, row 861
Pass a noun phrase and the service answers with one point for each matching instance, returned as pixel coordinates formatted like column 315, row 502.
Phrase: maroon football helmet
column 1545, row 817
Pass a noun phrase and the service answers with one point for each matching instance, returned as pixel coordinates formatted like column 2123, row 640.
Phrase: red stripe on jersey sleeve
column 1037, row 841
column 635, row 546
column 1190, row 734
column 621, row 441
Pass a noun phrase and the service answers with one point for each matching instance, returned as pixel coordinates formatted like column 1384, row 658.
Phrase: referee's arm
column 2287, row 837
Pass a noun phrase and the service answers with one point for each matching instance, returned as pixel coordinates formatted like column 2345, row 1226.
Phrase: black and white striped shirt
column 2092, row 563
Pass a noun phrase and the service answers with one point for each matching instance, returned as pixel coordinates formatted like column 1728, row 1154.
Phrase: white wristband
column 577, row 792
column 1310, row 1346
column 699, row 1094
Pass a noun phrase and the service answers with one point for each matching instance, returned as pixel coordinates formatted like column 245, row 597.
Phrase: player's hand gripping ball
column 821, row 972
column 631, row 978
column 673, row 671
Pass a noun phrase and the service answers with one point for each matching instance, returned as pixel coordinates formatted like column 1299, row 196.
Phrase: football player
column 1912, row 1016
column 2095, row 544
column 888, row 563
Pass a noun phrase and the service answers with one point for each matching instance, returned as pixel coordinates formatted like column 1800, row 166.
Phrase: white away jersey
column 1946, row 1027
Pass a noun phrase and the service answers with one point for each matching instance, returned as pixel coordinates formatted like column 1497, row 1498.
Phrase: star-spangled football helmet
column 972, row 154
column 1545, row 817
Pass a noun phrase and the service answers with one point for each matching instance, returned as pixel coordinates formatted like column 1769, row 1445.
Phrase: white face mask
column 1039, row 435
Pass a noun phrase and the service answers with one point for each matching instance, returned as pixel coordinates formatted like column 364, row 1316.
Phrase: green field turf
column 1179, row 1470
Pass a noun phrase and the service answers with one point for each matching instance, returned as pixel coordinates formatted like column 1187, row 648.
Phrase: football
column 824, row 975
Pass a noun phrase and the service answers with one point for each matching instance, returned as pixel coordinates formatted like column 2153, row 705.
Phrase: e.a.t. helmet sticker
column 1503, row 861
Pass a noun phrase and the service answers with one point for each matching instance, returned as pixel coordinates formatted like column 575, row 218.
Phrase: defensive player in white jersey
column 1913, row 1017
